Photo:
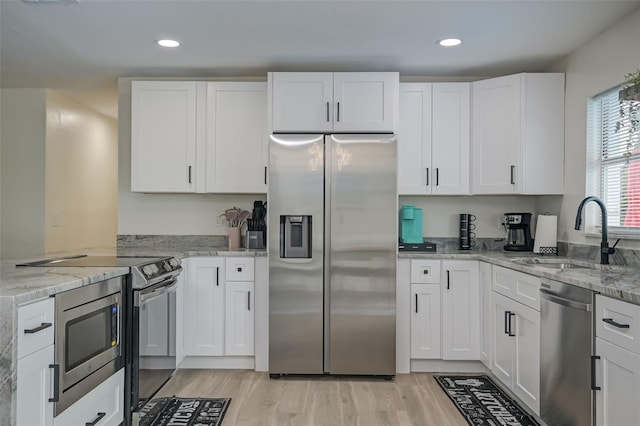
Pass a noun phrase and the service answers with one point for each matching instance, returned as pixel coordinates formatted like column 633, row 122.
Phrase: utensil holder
column 234, row 238
column 255, row 240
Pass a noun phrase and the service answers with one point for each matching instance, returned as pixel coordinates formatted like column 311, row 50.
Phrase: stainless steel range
column 144, row 312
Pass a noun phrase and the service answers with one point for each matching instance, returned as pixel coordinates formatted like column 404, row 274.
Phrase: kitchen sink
column 562, row 264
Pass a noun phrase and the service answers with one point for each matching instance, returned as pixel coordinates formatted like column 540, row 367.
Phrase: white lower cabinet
column 617, row 363
column 204, row 313
column 239, row 318
column 618, row 376
column 486, row 325
column 34, row 388
column 103, row 406
column 516, row 349
column 460, row 310
column 425, row 321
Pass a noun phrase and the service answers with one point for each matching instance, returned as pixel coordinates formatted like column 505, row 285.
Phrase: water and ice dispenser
column 295, row 236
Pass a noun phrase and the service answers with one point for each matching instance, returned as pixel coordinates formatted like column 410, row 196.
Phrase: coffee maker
column 518, row 227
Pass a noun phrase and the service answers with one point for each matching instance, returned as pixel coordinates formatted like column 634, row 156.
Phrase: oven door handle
column 142, row 297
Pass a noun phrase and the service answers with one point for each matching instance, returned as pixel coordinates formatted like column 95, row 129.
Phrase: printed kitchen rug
column 482, row 403
column 184, row 411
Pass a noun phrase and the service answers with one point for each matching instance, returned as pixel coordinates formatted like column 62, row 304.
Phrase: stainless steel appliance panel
column 89, row 330
column 363, row 251
column 566, row 347
column 296, row 187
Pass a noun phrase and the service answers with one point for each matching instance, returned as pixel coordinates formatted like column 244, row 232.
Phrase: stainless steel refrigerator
column 332, row 242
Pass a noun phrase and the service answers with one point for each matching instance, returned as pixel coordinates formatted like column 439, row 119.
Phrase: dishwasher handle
column 552, row 297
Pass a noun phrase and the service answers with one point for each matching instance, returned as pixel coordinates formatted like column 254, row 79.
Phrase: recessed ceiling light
column 168, row 43
column 449, row 42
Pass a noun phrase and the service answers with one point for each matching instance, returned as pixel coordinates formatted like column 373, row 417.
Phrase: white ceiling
column 85, row 46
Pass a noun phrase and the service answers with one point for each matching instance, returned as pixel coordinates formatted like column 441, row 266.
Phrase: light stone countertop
column 621, row 282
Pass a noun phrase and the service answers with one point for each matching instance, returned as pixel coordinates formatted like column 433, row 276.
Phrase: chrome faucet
column 605, row 250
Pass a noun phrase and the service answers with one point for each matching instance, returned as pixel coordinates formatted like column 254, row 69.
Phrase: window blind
column 613, row 162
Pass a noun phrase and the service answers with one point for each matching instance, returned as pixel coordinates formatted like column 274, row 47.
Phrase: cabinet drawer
column 523, row 288
column 35, row 326
column 239, row 268
column 425, row 271
column 618, row 322
column 106, row 401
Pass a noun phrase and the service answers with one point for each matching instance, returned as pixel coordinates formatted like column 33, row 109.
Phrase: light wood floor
column 411, row 399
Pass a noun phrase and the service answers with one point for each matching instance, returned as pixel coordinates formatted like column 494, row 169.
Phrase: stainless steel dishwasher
column 566, row 348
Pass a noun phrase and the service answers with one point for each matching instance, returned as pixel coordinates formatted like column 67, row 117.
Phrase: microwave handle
column 141, row 297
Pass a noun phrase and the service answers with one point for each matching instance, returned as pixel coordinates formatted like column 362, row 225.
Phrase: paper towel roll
column 546, row 241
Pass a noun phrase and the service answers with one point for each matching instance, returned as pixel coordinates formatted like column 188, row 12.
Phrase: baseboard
column 445, row 366
column 220, row 362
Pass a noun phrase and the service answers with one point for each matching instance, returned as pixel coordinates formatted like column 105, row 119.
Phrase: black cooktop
column 84, row 260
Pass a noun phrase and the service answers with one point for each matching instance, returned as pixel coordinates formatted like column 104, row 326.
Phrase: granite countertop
column 622, row 282
column 27, row 284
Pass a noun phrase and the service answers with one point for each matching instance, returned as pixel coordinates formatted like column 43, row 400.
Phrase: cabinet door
column 618, row 375
column 239, row 324
column 414, row 139
column 496, row 135
column 205, row 301
column 365, row 101
column 526, row 375
column 503, row 362
column 236, row 137
column 450, row 138
column 102, row 406
column 460, row 310
column 486, row 324
column 302, row 101
column 425, row 321
column 34, row 388
column 163, row 136
column 154, row 323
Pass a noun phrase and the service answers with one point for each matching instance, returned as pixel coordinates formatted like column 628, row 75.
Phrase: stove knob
column 147, row 270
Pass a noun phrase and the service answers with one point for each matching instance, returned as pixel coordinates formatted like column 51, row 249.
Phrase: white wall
column 81, row 176
column 593, row 68
column 58, row 175
column 165, row 214
column 22, row 177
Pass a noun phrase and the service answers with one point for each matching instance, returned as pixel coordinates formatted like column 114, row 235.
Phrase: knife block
column 255, row 240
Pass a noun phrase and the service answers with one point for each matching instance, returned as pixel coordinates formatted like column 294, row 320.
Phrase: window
column 613, row 162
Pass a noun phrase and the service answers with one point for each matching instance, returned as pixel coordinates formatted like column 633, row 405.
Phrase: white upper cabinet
column 302, row 101
column 518, row 135
column 163, row 136
column 450, row 138
column 236, row 141
column 333, row 102
column 414, row 139
column 433, row 139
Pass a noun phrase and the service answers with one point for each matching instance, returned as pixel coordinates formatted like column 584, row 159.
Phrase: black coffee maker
column 518, row 227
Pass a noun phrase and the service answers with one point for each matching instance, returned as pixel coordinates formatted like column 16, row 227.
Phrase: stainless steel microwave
column 89, row 339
